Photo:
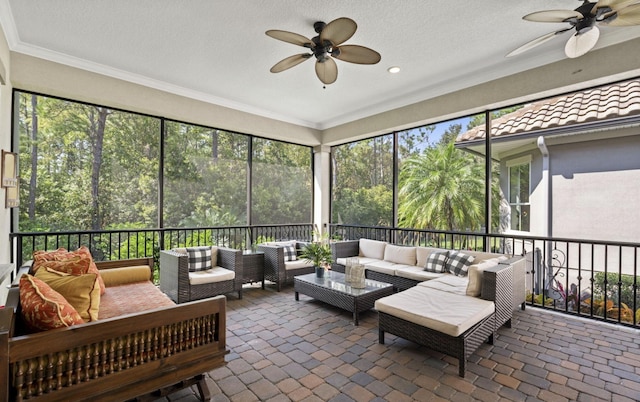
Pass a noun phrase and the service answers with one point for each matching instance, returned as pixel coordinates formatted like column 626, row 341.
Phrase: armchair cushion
column 290, row 253
column 199, row 258
column 214, row 253
column 297, row 264
column 215, row 274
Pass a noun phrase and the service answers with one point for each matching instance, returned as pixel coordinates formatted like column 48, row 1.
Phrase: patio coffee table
column 333, row 290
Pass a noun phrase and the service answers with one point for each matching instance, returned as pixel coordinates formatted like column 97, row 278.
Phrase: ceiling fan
column 584, row 20
column 325, row 47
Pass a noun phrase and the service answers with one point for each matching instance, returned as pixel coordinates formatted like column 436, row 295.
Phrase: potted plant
column 319, row 254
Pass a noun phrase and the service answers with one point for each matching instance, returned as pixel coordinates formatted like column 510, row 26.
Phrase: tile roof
column 606, row 102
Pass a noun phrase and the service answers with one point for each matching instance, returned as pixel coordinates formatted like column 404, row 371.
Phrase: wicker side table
column 253, row 266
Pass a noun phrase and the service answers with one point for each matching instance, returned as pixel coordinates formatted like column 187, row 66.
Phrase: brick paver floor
column 283, row 350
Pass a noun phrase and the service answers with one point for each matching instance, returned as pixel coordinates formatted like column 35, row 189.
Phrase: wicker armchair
column 175, row 282
column 277, row 270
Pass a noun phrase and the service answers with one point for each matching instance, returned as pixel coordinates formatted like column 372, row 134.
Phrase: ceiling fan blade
column 626, row 17
column 357, row 54
column 338, row 31
column 614, row 4
column 552, row 16
column 327, row 71
column 579, row 44
column 537, row 41
column 289, row 37
column 289, row 62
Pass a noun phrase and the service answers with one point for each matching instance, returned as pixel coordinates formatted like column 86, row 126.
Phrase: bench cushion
column 449, row 313
column 215, row 274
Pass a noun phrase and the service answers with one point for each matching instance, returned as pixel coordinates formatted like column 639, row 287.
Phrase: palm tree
column 442, row 189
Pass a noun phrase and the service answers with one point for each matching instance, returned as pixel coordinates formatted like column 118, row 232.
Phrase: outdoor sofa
column 142, row 346
column 404, row 266
column 453, row 311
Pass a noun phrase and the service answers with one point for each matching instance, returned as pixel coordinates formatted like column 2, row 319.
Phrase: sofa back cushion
column 480, row 256
column 474, row 287
column 400, row 254
column 422, row 253
column 372, row 248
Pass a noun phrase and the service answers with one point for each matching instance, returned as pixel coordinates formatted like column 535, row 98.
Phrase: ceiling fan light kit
column 325, row 47
column 584, row 20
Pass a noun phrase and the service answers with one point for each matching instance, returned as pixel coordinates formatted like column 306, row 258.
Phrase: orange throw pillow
column 41, row 256
column 61, row 254
column 83, row 250
column 43, row 308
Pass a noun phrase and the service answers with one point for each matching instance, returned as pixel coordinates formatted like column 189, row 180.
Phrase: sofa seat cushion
column 132, row 298
column 215, row 274
column 448, row 283
column 448, row 313
column 384, row 267
column 361, row 260
column 417, row 273
column 297, row 264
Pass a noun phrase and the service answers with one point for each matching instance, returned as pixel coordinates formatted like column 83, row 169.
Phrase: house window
column 519, row 194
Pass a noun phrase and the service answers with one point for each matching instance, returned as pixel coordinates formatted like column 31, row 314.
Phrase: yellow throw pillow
column 81, row 291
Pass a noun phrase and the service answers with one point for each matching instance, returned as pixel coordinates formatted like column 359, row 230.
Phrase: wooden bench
column 141, row 356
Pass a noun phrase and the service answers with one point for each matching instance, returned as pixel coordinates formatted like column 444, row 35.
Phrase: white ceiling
column 217, row 51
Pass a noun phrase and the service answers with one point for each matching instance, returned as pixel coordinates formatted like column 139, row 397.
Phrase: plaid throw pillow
column 437, row 262
column 199, row 258
column 290, row 253
column 458, row 263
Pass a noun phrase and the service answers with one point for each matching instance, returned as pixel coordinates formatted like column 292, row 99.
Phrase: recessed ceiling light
column 394, row 69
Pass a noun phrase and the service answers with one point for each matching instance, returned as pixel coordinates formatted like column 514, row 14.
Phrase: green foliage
column 363, row 182
column 442, row 189
column 318, row 253
column 85, row 167
column 611, row 289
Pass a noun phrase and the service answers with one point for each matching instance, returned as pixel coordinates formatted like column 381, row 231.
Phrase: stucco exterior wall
column 596, row 189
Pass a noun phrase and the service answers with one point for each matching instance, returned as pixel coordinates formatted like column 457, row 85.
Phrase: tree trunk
column 33, row 180
column 97, row 140
column 214, row 145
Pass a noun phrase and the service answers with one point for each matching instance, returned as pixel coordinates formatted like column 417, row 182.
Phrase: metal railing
column 587, row 278
column 137, row 243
